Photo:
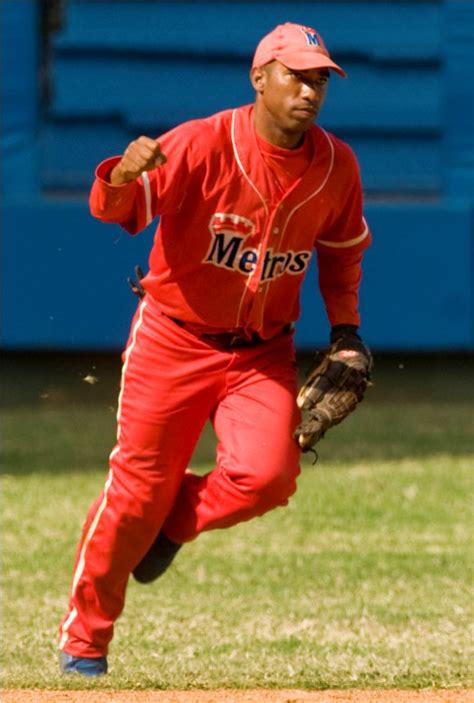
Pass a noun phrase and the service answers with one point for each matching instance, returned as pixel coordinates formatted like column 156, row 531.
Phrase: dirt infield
column 226, row 696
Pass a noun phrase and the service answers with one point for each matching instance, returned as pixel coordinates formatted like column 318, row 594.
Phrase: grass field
column 365, row 580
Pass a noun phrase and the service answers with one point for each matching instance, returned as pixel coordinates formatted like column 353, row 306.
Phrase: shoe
column 87, row 666
column 156, row 560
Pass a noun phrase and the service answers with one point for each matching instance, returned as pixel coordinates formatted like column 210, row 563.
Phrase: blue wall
column 121, row 69
column 191, row 59
column 19, row 97
column 66, row 284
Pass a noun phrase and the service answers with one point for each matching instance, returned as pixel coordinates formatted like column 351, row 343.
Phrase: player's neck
column 273, row 133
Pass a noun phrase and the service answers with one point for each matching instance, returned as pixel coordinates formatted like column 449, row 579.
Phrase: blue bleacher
column 180, row 70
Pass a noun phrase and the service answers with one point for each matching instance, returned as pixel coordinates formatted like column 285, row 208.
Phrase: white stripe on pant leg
column 65, row 628
column 128, row 351
column 82, row 559
column 93, row 526
column 90, row 533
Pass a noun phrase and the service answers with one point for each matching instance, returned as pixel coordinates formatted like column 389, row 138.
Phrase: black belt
column 228, row 340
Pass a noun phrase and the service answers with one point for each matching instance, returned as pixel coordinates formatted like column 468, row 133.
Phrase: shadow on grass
column 59, row 412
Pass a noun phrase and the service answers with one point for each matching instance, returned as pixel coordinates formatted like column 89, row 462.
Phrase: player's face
column 289, row 100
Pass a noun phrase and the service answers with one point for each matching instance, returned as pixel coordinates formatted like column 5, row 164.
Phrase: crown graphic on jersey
column 230, row 222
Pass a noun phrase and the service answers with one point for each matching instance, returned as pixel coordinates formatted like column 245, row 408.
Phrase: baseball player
column 244, row 198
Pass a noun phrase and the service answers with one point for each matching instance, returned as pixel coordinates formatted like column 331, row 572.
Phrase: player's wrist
column 118, row 177
column 344, row 331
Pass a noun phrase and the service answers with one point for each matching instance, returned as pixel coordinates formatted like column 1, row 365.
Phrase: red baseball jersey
column 231, row 250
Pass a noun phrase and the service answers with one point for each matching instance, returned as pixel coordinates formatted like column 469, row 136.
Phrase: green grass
column 364, row 580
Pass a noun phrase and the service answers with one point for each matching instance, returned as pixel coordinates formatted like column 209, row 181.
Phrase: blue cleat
column 156, row 560
column 87, row 666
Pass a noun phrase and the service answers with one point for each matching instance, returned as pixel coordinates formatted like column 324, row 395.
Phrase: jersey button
column 276, row 230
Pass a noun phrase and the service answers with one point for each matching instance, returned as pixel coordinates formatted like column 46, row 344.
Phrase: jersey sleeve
column 160, row 191
column 341, row 245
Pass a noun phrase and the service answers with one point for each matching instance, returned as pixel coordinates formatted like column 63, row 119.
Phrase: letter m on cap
column 311, row 37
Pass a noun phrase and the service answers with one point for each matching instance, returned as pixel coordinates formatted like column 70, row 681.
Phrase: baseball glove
column 335, row 385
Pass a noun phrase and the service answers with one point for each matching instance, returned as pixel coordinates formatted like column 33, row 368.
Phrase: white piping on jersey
column 93, row 526
column 254, row 187
column 247, row 283
column 147, row 191
column 303, row 202
column 315, row 192
column 237, row 158
column 348, row 242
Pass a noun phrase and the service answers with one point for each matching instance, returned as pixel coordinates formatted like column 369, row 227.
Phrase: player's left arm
column 340, row 247
column 340, row 375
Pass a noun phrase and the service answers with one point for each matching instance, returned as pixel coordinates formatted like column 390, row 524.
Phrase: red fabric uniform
column 225, row 226
column 239, row 222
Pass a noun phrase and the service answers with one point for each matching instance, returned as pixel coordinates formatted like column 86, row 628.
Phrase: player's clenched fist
column 143, row 154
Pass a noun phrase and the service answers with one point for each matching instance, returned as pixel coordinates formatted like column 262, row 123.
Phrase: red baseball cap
column 295, row 46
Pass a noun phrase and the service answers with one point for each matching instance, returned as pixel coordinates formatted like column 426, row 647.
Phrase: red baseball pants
column 172, row 383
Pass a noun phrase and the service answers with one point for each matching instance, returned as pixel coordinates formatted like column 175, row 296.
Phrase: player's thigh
column 167, row 391
column 256, row 420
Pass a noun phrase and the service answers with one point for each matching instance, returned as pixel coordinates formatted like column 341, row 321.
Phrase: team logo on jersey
column 231, row 223
column 312, row 38
column 227, row 250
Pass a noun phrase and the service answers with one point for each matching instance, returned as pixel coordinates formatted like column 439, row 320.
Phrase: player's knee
column 275, row 489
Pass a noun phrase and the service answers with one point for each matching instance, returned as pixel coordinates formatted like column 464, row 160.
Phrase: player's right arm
column 125, row 190
column 149, row 179
column 143, row 154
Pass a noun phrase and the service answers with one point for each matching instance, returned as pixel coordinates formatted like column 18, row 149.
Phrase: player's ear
column 258, row 77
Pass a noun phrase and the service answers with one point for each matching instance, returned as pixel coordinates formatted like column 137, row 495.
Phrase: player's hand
column 143, row 154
